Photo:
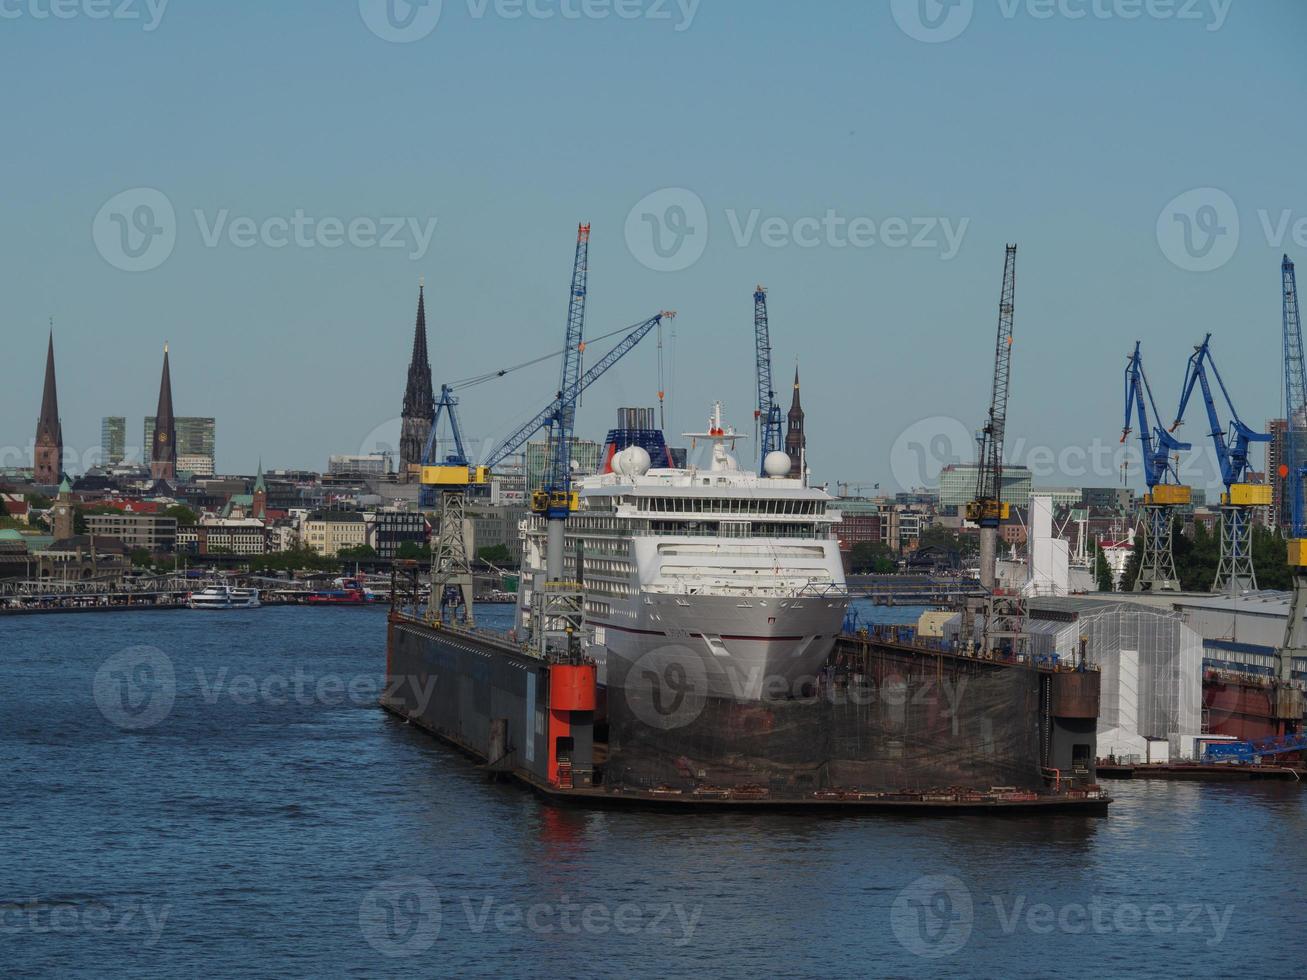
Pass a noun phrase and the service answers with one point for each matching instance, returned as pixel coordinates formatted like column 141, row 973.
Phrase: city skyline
column 888, row 336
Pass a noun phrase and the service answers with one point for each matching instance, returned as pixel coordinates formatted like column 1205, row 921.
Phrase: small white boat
column 224, row 597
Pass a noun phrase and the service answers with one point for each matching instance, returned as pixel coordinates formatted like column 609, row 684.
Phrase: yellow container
column 1170, row 494
column 454, row 476
column 1250, row 495
column 1297, row 553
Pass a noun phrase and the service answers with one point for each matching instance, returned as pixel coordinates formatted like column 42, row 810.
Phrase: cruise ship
column 714, row 573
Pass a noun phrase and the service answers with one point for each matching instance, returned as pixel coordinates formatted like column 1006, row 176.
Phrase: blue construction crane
column 1295, row 404
column 1235, row 572
column 554, row 498
column 1293, row 470
column 454, row 467
column 515, row 440
column 768, row 413
column 1157, row 568
column 1231, row 448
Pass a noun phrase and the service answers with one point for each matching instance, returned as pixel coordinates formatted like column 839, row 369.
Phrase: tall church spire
column 419, row 399
column 163, row 451
column 47, row 457
column 795, row 439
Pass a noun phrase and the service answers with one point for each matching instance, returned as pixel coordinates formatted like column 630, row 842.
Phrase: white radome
column 776, row 464
column 632, row 461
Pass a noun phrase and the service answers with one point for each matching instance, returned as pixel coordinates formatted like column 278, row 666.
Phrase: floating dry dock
column 891, row 725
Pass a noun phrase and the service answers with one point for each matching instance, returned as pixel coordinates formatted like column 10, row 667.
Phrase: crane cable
column 492, row 375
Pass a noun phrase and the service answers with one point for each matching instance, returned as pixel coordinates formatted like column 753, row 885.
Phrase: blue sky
column 1070, row 135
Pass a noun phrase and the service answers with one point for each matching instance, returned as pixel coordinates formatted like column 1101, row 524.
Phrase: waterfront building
column 1061, row 497
column 1116, row 499
column 163, row 436
column 497, row 525
column 957, row 486
column 392, row 529
column 223, row 536
column 153, row 532
column 419, row 401
column 327, row 532
column 371, row 466
column 113, row 439
column 48, row 453
column 586, row 456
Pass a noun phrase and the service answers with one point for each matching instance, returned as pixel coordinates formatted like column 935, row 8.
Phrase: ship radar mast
column 720, row 434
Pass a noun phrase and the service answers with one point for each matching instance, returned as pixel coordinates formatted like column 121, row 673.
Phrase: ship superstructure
column 734, row 573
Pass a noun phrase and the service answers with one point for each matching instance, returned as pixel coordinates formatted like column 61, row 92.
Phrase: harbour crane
column 557, row 605
column 988, row 509
column 1235, row 573
column 1002, row 612
column 1292, row 471
column 767, row 414
column 1165, row 492
column 455, row 452
column 541, row 419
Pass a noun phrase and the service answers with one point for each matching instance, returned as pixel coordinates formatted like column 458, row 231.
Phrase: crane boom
column 1295, row 401
column 989, row 478
column 1159, row 465
column 1231, row 448
column 522, row 433
column 768, row 413
column 554, row 498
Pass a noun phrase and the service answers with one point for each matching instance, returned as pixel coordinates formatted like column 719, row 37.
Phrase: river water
column 216, row 793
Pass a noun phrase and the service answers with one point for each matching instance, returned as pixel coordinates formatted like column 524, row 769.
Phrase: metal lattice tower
column 768, row 412
column 451, row 566
column 1295, row 431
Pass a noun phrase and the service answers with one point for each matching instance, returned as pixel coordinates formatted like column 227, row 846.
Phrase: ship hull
column 735, row 648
